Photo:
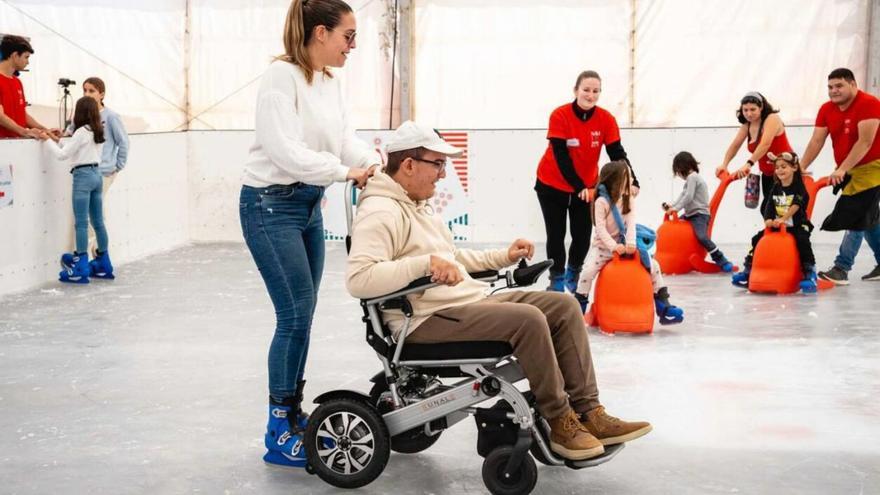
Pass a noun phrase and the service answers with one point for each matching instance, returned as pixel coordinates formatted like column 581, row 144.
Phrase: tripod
column 64, row 112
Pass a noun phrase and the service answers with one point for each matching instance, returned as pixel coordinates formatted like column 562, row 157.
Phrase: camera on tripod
column 64, row 115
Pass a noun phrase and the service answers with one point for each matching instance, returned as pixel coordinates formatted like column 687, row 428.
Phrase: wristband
column 751, row 163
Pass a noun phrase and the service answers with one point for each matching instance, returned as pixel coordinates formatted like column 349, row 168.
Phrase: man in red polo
column 15, row 53
column 851, row 118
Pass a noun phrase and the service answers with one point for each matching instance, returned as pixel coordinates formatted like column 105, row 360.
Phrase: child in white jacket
column 82, row 153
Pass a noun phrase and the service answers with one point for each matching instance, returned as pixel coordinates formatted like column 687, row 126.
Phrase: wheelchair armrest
column 485, row 275
column 418, row 283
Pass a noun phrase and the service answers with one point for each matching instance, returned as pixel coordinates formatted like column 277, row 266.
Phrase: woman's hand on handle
column 620, row 249
column 359, row 176
column 630, row 249
column 719, row 170
column 743, row 171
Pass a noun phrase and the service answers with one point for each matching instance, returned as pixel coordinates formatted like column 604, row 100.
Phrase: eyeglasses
column 439, row 164
column 349, row 37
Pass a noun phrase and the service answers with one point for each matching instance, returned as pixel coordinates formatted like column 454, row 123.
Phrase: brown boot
column 610, row 430
column 571, row 440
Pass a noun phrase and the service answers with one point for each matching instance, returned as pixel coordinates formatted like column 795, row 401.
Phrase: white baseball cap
column 411, row 135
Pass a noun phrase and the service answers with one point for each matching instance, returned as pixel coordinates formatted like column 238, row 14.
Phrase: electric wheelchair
column 350, row 435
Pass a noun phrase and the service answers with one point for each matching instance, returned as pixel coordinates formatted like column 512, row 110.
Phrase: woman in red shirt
column 568, row 172
column 765, row 132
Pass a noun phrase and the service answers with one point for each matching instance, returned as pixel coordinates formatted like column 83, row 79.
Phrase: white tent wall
column 695, row 60
column 232, row 43
column 488, row 64
column 507, row 64
column 136, row 47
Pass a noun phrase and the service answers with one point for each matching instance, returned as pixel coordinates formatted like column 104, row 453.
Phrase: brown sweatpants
column 546, row 331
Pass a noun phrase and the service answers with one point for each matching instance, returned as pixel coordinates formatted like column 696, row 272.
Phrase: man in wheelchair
column 397, row 238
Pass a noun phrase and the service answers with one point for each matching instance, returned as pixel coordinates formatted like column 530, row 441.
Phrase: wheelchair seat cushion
column 455, row 350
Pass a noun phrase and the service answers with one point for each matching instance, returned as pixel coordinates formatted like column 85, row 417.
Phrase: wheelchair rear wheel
column 347, row 443
column 409, row 442
column 520, row 482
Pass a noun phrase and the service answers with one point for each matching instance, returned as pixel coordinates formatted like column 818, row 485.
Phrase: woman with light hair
column 304, row 143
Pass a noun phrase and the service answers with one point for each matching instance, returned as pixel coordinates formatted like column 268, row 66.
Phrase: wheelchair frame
column 480, row 379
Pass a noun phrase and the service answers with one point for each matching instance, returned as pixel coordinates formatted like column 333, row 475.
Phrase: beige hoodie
column 393, row 238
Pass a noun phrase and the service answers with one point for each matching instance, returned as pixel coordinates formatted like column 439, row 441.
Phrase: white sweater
column 80, row 149
column 302, row 133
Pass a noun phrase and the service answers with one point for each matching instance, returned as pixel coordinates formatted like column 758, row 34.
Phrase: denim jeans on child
column 88, row 205
column 284, row 231
column 852, row 241
column 700, row 223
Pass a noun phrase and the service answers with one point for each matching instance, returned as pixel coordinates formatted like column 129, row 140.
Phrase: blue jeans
column 88, row 204
column 700, row 223
column 852, row 241
column 284, row 231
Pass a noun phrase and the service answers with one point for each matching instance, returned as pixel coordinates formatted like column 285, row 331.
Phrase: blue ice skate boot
column 74, row 268
column 808, row 284
column 557, row 283
column 101, row 267
column 666, row 312
column 571, row 277
column 719, row 259
column 741, row 279
column 284, row 432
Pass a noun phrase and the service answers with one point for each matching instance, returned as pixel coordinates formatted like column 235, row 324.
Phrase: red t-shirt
column 843, row 126
column 585, row 141
column 779, row 145
column 12, row 99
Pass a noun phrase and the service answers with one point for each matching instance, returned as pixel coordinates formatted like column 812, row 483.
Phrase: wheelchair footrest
column 610, row 452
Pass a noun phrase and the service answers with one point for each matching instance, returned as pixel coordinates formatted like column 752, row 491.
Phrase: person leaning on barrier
column 15, row 54
column 397, row 238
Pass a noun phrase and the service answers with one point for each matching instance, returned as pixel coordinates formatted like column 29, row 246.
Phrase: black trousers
column 802, row 241
column 557, row 207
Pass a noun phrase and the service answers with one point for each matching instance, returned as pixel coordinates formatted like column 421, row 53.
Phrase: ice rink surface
column 156, row 383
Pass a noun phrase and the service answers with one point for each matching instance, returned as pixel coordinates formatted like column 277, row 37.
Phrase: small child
column 786, row 205
column 694, row 199
column 615, row 232
column 83, row 154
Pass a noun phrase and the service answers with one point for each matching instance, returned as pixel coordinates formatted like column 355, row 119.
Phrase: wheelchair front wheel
column 520, row 482
column 347, row 443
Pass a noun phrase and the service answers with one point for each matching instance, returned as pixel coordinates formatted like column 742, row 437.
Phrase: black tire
column 343, row 434
column 521, row 482
column 409, row 442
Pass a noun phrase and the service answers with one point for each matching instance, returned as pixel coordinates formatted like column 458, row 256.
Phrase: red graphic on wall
column 459, row 139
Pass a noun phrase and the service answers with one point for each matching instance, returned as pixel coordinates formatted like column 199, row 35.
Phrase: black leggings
column 555, row 207
column 767, row 182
